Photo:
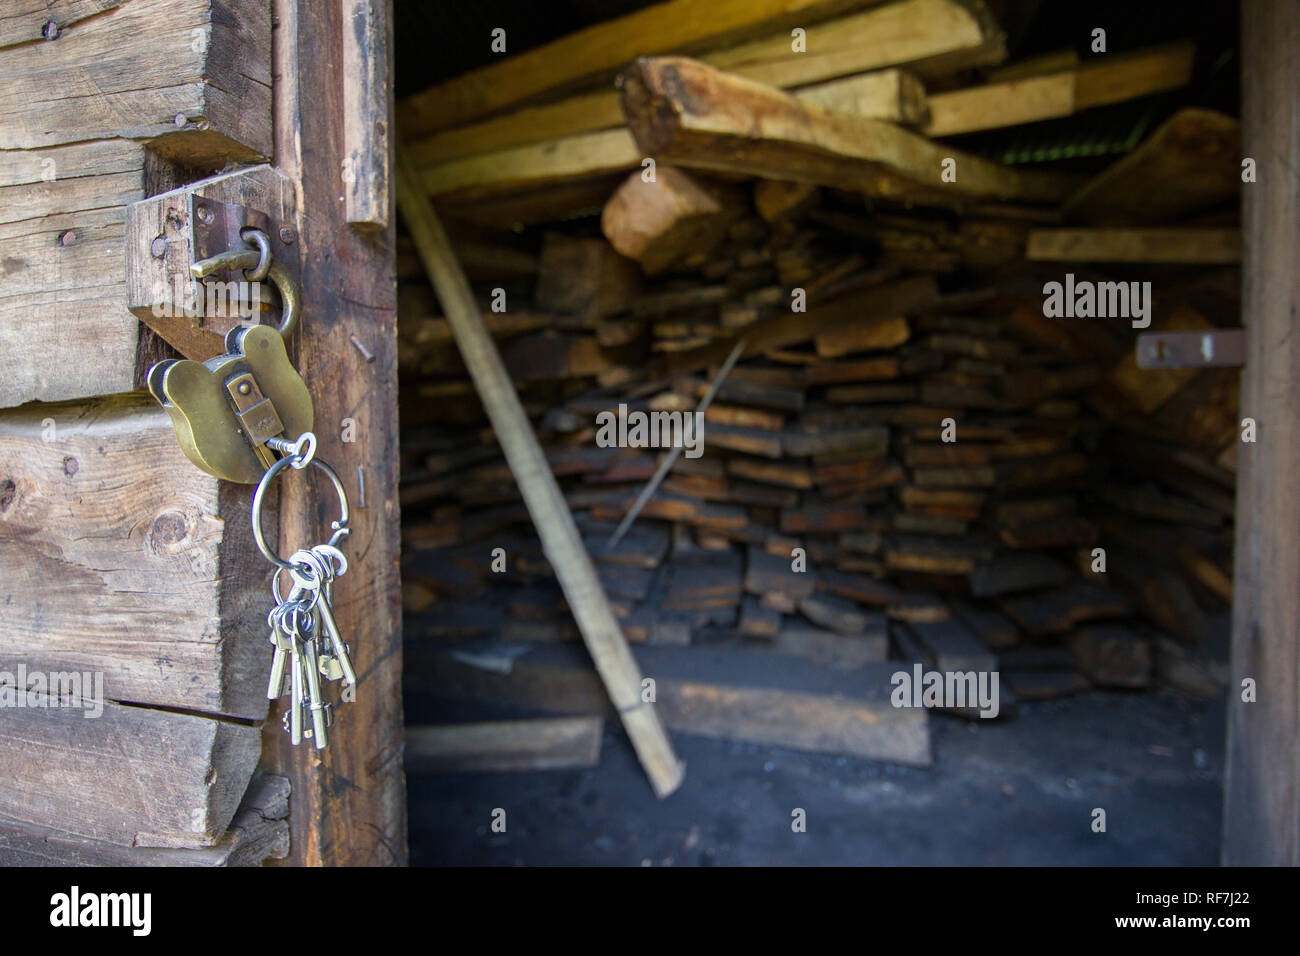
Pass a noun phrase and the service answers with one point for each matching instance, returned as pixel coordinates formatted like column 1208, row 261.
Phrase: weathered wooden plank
column 62, row 215
column 367, row 92
column 1262, row 791
column 555, row 743
column 685, row 112
column 725, row 693
column 258, row 832
column 127, row 560
column 23, row 21
column 1030, row 100
column 951, row 647
column 936, row 35
column 893, row 95
column 601, row 49
column 194, row 76
column 131, row 776
column 562, row 160
column 1190, row 163
column 1187, row 246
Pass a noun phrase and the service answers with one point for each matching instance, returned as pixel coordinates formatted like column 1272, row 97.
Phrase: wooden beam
column 922, row 35
column 601, row 49
column 893, row 95
column 125, row 559
column 1212, row 246
column 725, row 693
column 1261, row 813
column 555, row 743
column 934, row 37
column 547, row 163
column 215, row 77
column 349, row 800
column 1032, row 99
column 258, row 832
column 563, row 544
column 687, row 113
column 1191, row 163
column 131, row 776
column 366, row 81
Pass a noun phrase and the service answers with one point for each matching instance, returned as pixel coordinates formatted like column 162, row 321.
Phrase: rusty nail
column 68, row 238
column 288, row 235
column 158, row 247
column 365, row 352
column 50, row 30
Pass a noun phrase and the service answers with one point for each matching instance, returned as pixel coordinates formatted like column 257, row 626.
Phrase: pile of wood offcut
column 911, row 461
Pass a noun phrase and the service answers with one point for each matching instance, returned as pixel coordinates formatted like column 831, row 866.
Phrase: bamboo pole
column 561, row 542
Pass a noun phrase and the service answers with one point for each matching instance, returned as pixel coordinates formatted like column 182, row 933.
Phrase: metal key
column 322, row 576
column 295, row 676
column 312, row 676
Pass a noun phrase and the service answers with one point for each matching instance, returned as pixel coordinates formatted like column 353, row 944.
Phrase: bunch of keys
column 307, row 641
column 304, row 632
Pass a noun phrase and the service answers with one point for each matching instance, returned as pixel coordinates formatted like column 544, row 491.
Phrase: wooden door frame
column 1261, row 809
column 348, row 802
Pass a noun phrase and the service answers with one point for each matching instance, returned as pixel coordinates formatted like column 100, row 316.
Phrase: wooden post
column 1262, row 801
column 560, row 539
column 348, row 802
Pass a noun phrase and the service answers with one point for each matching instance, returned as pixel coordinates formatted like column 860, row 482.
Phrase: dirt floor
column 1018, row 792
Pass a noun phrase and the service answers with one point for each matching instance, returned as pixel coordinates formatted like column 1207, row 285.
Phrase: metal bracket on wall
column 168, row 233
column 1215, row 348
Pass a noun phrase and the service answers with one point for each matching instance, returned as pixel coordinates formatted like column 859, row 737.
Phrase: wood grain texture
column 1262, row 793
column 133, row 70
column 79, row 111
column 125, row 559
column 684, row 112
column 1031, row 99
column 349, row 801
column 601, row 49
column 22, row 21
column 671, row 221
column 62, row 213
column 367, row 35
column 131, row 776
column 258, row 832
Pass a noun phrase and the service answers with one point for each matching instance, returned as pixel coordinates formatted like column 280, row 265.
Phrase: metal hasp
column 213, row 255
column 1216, row 348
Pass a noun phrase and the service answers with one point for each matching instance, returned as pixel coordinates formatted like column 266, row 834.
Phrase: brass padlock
column 223, row 410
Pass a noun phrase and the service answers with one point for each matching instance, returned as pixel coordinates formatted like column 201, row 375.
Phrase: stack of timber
column 912, row 459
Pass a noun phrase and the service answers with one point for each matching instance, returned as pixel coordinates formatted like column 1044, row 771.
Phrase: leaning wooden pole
column 564, row 548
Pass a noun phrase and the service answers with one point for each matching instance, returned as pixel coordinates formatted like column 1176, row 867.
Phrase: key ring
column 340, row 527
